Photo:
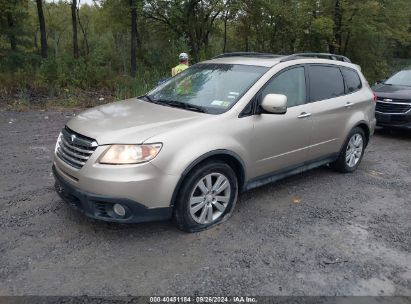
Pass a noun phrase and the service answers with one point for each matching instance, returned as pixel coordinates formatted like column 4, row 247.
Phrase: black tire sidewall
column 182, row 215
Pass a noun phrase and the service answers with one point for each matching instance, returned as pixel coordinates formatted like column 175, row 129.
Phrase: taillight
column 374, row 98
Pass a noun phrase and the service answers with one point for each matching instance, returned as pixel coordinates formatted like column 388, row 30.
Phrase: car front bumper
column 101, row 206
column 402, row 121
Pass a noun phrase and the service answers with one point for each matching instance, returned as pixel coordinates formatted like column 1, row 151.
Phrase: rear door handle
column 304, row 115
column 349, row 104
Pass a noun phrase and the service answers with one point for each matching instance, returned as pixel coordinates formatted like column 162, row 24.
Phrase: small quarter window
column 352, row 80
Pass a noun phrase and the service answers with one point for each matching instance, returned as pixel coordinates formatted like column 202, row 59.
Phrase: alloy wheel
column 209, row 198
column 354, row 150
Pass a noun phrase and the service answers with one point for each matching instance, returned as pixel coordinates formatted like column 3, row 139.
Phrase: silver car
column 185, row 150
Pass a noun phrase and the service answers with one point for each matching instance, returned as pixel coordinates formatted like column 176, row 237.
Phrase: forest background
column 80, row 53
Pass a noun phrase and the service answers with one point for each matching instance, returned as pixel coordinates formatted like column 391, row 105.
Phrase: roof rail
column 317, row 55
column 286, row 57
column 247, row 54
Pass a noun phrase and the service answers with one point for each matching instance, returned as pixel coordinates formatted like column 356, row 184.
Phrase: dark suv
column 394, row 101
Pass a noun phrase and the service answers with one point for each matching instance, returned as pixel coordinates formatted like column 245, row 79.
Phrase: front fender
column 179, row 158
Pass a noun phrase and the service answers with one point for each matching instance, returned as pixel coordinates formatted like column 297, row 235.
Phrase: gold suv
column 186, row 149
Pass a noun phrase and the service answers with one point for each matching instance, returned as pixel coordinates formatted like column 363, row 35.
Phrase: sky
column 81, row 1
column 86, row 1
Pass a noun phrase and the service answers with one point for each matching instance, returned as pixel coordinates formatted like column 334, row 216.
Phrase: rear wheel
column 352, row 152
column 206, row 197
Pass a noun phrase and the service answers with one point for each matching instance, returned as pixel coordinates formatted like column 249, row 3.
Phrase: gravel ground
column 318, row 233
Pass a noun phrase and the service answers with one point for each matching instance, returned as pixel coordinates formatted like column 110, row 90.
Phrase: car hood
column 392, row 91
column 131, row 121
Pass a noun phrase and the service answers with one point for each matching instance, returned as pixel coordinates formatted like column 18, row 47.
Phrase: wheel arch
column 231, row 158
column 364, row 126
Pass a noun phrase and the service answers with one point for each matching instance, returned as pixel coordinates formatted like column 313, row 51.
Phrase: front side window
column 402, row 78
column 213, row 88
column 325, row 82
column 290, row 83
column 352, row 80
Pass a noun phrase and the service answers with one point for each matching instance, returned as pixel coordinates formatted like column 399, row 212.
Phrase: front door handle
column 304, row 115
column 349, row 104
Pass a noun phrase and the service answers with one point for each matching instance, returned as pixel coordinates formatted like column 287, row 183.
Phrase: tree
column 84, row 31
column 336, row 45
column 231, row 8
column 120, row 37
column 133, row 38
column 193, row 19
column 44, row 51
column 15, row 24
column 12, row 36
column 74, row 26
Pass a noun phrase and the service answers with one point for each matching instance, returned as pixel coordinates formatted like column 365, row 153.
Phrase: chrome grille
column 396, row 106
column 74, row 149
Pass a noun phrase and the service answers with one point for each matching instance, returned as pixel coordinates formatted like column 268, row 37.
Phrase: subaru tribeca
column 186, row 149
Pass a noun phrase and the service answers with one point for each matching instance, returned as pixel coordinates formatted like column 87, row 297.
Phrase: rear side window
column 352, row 80
column 325, row 82
column 290, row 83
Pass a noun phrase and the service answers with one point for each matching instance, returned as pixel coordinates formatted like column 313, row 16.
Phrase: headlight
column 129, row 154
column 57, row 142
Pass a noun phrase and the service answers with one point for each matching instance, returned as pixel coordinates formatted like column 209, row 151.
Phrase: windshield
column 402, row 78
column 213, row 88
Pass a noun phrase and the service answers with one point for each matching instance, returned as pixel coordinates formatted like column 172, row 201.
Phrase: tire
column 195, row 200
column 354, row 146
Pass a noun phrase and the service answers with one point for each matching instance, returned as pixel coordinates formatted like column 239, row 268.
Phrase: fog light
column 119, row 210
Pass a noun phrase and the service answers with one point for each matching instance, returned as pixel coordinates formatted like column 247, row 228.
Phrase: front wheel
column 351, row 153
column 207, row 197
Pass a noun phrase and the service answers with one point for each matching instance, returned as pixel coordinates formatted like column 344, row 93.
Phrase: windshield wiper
column 398, row 85
column 147, row 98
column 174, row 103
column 183, row 105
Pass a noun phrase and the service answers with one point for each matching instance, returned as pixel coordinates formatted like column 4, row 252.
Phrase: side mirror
column 381, row 81
column 275, row 103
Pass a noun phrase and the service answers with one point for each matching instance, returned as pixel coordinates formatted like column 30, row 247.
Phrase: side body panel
column 331, row 119
column 334, row 118
column 182, row 147
column 280, row 141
